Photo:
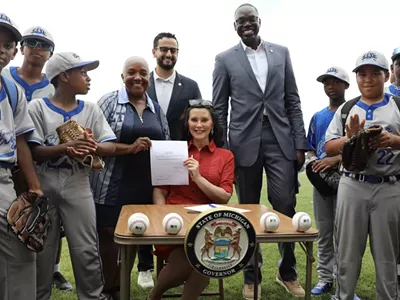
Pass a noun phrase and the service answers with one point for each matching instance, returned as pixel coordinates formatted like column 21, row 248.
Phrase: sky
column 318, row 33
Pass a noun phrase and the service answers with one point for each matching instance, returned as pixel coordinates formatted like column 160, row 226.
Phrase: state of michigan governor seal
column 220, row 242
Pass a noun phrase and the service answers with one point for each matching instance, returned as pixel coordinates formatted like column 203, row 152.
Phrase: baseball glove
column 356, row 151
column 72, row 130
column 327, row 182
column 29, row 219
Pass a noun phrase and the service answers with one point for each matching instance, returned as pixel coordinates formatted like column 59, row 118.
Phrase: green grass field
column 233, row 285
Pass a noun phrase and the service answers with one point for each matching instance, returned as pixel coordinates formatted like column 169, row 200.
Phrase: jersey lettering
column 7, row 138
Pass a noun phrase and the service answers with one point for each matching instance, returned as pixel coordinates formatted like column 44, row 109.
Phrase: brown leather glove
column 72, row 130
column 356, row 150
column 28, row 217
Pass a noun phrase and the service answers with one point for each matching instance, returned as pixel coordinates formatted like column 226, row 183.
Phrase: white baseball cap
column 396, row 53
column 374, row 58
column 335, row 72
column 64, row 61
column 6, row 22
column 39, row 33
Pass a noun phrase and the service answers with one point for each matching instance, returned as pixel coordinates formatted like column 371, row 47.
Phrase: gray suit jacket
column 233, row 78
column 184, row 89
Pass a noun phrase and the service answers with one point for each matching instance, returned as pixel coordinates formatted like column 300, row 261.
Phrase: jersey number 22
column 385, row 157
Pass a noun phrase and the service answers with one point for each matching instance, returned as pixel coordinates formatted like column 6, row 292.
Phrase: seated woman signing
column 211, row 170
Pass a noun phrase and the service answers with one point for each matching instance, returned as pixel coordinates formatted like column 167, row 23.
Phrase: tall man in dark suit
column 266, row 129
column 170, row 89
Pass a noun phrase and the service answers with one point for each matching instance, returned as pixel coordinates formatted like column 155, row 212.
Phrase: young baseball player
column 335, row 81
column 394, row 88
column 17, row 262
column 37, row 46
column 64, row 179
column 368, row 201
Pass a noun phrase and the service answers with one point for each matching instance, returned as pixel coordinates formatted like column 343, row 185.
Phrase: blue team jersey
column 316, row 131
column 42, row 89
column 394, row 90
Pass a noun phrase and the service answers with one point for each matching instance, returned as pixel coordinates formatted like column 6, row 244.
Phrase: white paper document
column 166, row 162
column 205, row 207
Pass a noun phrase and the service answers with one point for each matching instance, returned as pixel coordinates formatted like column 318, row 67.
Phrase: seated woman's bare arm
column 216, row 193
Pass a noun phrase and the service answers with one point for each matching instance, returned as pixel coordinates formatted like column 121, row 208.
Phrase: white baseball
column 269, row 221
column 301, row 221
column 138, row 223
column 172, row 223
column 141, row 216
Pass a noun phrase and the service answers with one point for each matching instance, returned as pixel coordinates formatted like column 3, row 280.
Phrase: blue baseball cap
column 396, row 53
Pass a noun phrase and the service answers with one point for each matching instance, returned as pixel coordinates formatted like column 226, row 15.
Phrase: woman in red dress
column 211, row 170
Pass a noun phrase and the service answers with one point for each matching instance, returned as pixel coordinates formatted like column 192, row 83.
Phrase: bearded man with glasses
column 167, row 87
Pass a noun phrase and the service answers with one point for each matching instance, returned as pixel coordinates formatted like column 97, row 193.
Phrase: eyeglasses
column 32, row 43
column 200, row 102
column 166, row 49
column 242, row 21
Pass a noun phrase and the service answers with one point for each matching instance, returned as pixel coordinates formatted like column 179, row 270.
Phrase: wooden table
column 155, row 234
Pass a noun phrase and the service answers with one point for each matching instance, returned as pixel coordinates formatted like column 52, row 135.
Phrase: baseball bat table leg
column 221, row 289
column 310, row 260
column 256, row 272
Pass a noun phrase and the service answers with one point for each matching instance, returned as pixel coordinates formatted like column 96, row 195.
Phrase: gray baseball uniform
column 324, row 214
column 66, row 183
column 369, row 209
column 37, row 90
column 17, row 263
column 324, row 206
column 395, row 91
